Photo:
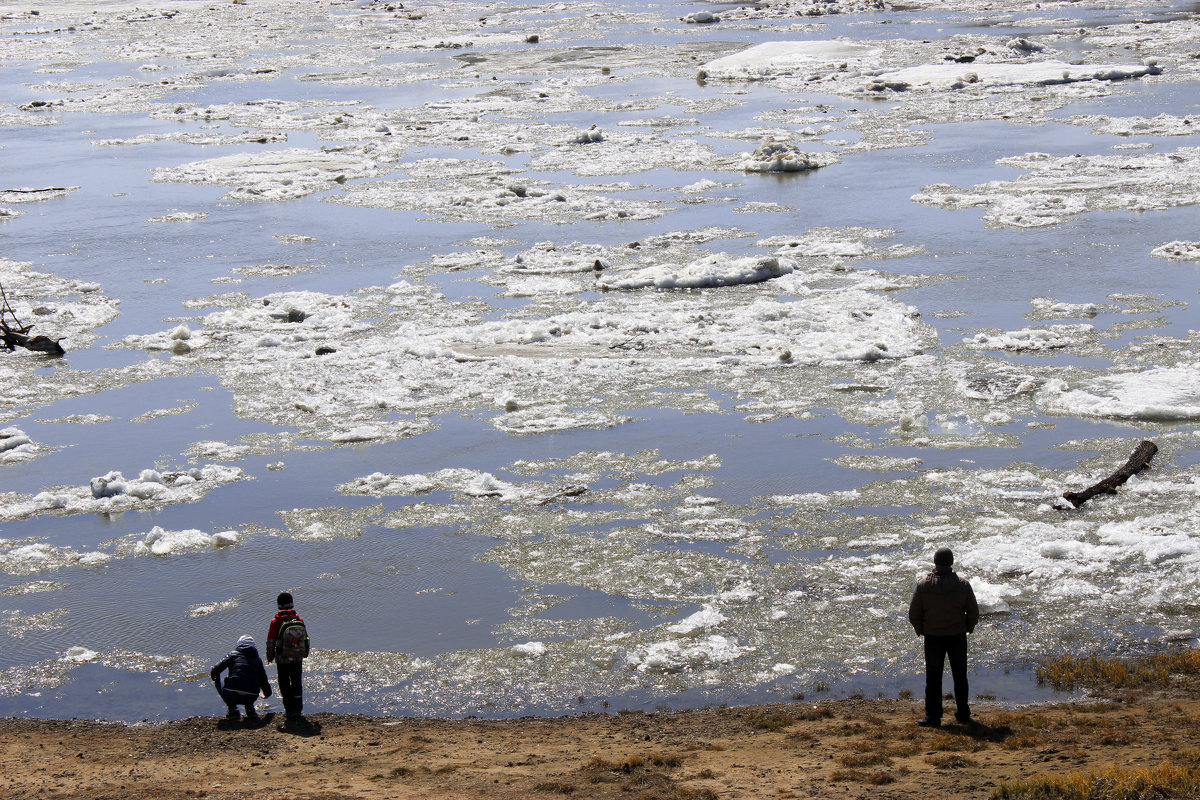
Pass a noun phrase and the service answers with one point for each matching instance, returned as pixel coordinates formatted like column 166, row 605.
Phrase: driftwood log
column 13, row 333
column 1136, row 463
column 40, row 344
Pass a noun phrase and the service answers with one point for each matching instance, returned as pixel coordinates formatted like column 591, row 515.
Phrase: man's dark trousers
column 937, row 649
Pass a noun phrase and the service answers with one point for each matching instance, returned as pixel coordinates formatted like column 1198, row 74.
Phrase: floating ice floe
column 678, row 655
column 1178, row 251
column 775, row 156
column 1046, row 308
column 1033, row 339
column 488, row 191
column 999, row 76
column 592, row 134
column 275, row 174
column 375, row 365
column 1161, row 125
column 529, row 650
column 62, row 309
column 786, row 57
column 205, row 609
column 1160, row 394
column 113, row 492
column 1056, row 188
column 36, row 557
column 325, row 524
column 180, row 216
column 16, row 624
column 471, row 483
column 78, row 654
column 161, row 542
column 15, row 445
column 705, row 618
column 701, row 18
column 709, row 272
column 27, row 194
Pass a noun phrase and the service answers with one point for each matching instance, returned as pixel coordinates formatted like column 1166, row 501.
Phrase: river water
column 571, row 357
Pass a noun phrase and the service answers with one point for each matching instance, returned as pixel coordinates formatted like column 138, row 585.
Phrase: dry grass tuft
column 957, row 744
column 772, row 722
column 1112, row 783
column 813, row 714
column 865, row 760
column 1102, row 672
column 558, row 787
column 877, row 778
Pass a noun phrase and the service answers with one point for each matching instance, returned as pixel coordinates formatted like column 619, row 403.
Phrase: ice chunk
column 1178, row 251
column 13, row 438
column 775, row 156
column 707, row 617
column 998, row 75
column 162, row 542
column 686, row 654
column 783, row 58
column 80, row 655
column 532, row 650
column 710, row 271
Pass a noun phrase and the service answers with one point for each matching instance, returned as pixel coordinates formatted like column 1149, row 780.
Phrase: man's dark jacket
column 943, row 604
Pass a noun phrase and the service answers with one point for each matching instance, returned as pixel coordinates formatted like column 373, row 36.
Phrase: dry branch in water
column 1138, row 461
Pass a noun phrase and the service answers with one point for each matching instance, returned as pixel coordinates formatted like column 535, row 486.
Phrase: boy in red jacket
column 287, row 646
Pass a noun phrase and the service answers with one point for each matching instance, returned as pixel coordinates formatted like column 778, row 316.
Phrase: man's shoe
column 967, row 720
column 251, row 714
column 232, row 715
column 927, row 722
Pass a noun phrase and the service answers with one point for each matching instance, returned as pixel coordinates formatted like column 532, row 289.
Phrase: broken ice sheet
column 497, row 194
column 325, row 524
column 1056, row 188
column 1159, row 394
column 273, row 174
column 113, row 493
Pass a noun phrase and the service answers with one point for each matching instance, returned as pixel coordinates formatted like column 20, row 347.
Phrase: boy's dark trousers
column 290, row 689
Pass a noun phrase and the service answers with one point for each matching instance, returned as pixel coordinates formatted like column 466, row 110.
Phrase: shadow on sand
column 300, row 727
column 245, row 723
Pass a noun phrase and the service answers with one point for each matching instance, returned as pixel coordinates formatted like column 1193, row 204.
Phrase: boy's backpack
column 293, row 640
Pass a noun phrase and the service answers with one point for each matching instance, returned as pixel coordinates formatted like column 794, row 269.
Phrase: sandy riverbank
column 839, row 749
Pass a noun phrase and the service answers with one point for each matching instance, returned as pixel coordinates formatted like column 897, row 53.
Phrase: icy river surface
column 590, row 355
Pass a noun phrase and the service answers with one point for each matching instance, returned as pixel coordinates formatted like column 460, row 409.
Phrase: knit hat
column 244, row 640
column 944, row 557
column 284, row 600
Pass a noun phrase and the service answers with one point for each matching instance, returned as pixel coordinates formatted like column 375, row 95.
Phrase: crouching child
column 247, row 677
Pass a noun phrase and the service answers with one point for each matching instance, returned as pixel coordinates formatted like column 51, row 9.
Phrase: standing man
column 287, row 646
column 944, row 611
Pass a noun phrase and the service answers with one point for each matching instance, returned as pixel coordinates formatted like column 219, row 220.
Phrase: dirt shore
column 832, row 749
